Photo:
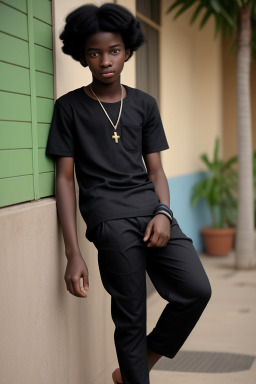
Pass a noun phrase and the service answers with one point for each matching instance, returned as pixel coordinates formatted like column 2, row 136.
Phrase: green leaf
column 233, row 46
column 199, row 191
column 216, row 150
column 205, row 18
column 174, row 5
column 196, row 13
column 253, row 13
column 214, row 194
column 231, row 161
column 231, row 198
column 215, row 5
column 218, row 8
column 218, row 23
column 187, row 4
column 205, row 159
column 220, row 189
column 227, row 17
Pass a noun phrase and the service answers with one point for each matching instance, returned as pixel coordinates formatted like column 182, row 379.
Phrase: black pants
column 178, row 276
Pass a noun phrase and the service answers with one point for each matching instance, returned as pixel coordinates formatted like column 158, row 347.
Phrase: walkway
column 222, row 347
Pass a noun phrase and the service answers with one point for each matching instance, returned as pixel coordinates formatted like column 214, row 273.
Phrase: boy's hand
column 160, row 227
column 76, row 276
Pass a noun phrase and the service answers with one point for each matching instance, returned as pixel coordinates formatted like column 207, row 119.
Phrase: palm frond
column 233, row 46
column 196, row 13
column 205, row 159
column 216, row 150
column 218, row 24
column 207, row 14
column 231, row 161
column 186, row 5
column 225, row 9
column 216, row 5
column 174, row 5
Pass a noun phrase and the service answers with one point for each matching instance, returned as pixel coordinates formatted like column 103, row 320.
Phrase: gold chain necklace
column 115, row 136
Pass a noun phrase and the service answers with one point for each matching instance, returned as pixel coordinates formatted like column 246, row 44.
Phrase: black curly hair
column 89, row 19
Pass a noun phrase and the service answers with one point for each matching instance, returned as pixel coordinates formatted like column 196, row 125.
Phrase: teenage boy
column 106, row 129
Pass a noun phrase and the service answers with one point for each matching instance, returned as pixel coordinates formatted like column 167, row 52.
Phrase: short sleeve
column 61, row 135
column 153, row 137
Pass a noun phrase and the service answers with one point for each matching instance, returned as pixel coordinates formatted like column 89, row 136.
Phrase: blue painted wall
column 190, row 219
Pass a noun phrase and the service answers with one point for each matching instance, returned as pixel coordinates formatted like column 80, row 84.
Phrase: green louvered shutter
column 26, row 100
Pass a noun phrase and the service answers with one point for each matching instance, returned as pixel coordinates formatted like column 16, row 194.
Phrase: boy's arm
column 66, row 204
column 76, row 275
column 157, row 176
column 158, row 228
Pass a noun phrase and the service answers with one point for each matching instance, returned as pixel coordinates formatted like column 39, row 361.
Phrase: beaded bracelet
column 164, row 209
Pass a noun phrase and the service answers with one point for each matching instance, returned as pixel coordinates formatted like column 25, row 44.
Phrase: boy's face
column 105, row 54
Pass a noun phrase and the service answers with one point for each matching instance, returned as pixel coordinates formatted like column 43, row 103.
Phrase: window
column 26, row 99
column 147, row 56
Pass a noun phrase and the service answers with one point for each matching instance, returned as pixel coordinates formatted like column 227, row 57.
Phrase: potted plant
column 219, row 190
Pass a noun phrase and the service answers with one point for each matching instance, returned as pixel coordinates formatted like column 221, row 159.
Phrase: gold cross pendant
column 115, row 137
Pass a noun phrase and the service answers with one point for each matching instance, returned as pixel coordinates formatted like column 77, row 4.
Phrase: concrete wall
column 50, row 335
column 45, row 332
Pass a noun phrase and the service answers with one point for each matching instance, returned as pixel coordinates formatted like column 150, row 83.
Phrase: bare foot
column 152, row 359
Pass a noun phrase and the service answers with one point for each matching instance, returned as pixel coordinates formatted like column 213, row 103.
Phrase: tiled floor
column 222, row 347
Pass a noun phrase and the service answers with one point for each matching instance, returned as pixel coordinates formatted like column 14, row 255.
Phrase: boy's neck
column 109, row 93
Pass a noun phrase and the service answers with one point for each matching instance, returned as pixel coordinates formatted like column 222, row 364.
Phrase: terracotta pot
column 218, row 241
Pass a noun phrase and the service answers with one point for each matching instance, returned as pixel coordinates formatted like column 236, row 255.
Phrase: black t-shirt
column 113, row 181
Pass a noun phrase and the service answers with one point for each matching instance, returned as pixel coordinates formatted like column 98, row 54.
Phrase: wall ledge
column 33, row 204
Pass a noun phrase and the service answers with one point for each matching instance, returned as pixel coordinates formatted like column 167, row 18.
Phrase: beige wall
column 229, row 100
column 191, row 91
column 47, row 334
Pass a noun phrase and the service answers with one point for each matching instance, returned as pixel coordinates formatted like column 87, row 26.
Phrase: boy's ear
column 127, row 54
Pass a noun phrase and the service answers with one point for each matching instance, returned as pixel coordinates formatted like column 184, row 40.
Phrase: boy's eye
column 93, row 54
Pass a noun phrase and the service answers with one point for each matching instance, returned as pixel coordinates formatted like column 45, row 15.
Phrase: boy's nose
column 105, row 61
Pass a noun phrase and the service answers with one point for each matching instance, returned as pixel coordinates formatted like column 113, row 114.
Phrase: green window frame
column 26, row 100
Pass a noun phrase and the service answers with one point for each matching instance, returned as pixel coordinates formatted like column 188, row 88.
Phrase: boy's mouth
column 107, row 74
